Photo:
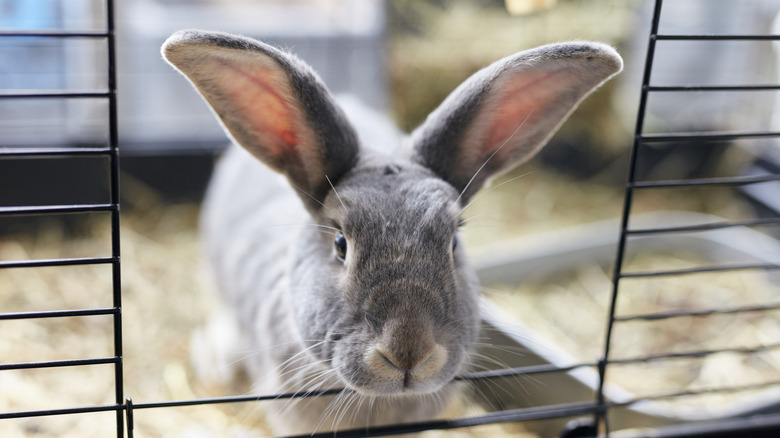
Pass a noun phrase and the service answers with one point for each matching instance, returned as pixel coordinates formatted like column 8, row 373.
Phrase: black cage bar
column 762, row 423
column 109, row 151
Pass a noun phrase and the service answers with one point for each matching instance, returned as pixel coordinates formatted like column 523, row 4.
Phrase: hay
column 570, row 311
column 167, row 294
column 164, row 298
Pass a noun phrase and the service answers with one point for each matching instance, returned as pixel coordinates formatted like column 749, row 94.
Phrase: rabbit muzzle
column 407, row 348
column 408, row 356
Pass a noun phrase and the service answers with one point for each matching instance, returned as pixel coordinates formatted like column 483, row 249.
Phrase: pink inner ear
column 518, row 103
column 255, row 93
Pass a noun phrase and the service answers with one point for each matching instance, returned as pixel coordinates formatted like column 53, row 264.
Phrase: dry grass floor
column 167, row 293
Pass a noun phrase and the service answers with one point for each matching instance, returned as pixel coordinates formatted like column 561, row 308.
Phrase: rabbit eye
column 454, row 242
column 340, row 244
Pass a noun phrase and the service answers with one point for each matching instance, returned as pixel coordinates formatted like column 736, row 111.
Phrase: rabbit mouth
column 405, row 384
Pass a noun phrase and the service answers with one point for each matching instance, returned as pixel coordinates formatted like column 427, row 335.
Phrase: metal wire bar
column 129, row 416
column 24, row 152
column 59, row 34
column 241, row 398
column 693, row 354
column 686, row 88
column 481, row 375
column 510, row 415
column 600, row 414
column 66, row 411
column 502, row 416
column 694, row 392
column 523, row 414
column 113, row 133
column 47, row 94
column 723, row 181
column 545, row 412
column 522, row 371
column 761, row 426
column 701, row 269
column 58, row 262
column 705, row 227
column 696, row 313
column 671, row 37
column 57, row 314
column 59, row 363
column 704, row 136
column 57, row 209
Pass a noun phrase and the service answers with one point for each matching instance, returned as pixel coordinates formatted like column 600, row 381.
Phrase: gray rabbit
column 359, row 281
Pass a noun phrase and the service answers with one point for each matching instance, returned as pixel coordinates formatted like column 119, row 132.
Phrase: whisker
column 331, row 409
column 305, row 395
column 371, row 406
column 297, row 356
column 325, row 228
column 516, row 351
column 344, row 410
column 521, row 379
column 469, row 219
column 307, row 194
column 336, row 193
column 473, row 177
column 491, row 188
column 255, row 352
column 490, row 384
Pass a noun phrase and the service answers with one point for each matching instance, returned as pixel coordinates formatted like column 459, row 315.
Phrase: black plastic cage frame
column 598, row 410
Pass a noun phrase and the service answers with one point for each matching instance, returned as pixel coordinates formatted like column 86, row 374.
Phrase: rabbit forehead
column 394, row 196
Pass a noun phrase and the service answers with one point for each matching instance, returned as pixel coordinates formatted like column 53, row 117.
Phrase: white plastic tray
column 561, row 251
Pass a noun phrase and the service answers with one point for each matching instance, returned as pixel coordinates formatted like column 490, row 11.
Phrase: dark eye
column 454, row 242
column 340, row 243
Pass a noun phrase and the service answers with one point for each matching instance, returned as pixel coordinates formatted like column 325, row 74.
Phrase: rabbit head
column 384, row 295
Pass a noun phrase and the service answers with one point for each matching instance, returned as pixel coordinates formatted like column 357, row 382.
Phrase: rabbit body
column 359, row 280
column 264, row 250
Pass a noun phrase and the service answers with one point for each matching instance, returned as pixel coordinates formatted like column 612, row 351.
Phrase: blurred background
column 402, row 57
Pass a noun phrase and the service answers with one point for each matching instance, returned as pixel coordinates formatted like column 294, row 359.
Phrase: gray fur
column 336, row 140
column 397, row 319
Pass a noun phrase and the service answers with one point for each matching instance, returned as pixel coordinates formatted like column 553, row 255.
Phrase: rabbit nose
column 418, row 366
column 412, row 364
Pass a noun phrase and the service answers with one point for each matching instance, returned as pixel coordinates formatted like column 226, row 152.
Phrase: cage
column 60, row 133
column 54, row 121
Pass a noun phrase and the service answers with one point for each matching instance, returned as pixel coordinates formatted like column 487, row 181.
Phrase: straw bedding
column 167, row 294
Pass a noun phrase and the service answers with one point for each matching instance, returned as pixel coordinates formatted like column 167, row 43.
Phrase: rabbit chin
column 399, row 387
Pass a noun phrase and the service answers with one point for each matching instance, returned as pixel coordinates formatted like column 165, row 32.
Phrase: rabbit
column 359, row 281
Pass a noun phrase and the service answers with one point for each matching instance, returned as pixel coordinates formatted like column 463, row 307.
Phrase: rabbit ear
column 505, row 113
column 272, row 104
